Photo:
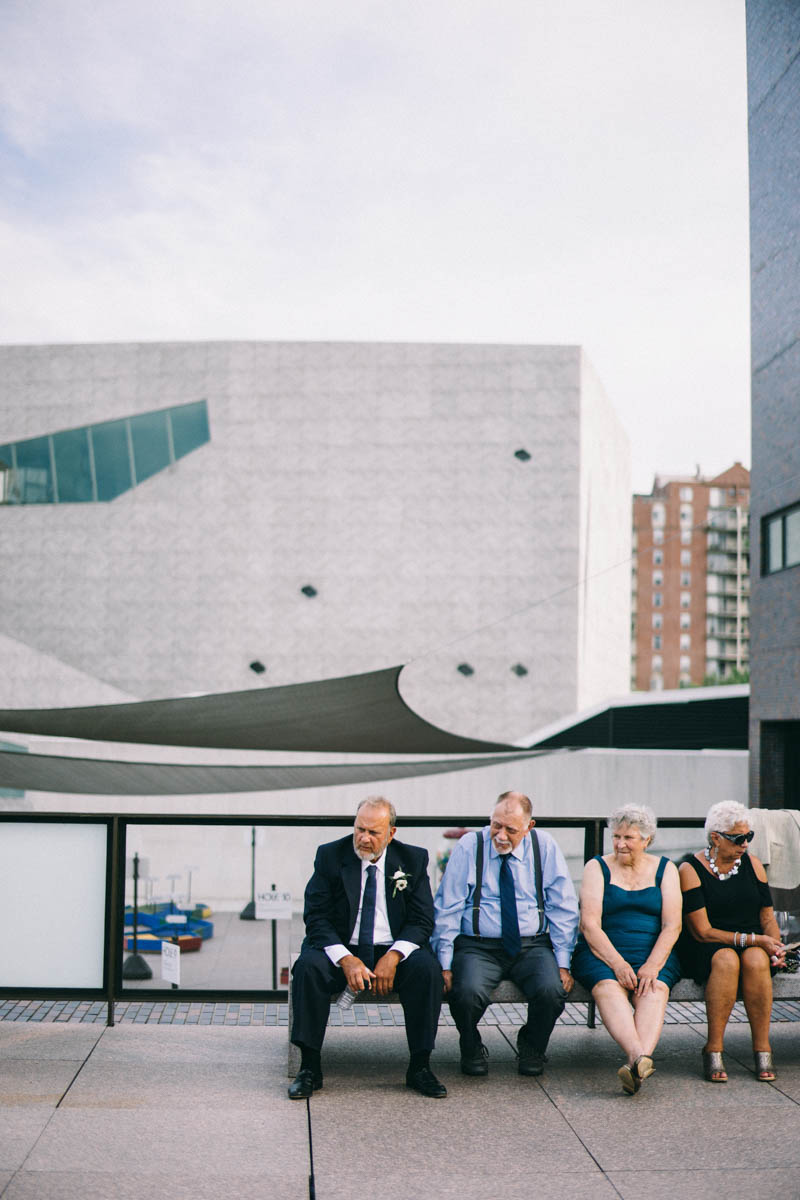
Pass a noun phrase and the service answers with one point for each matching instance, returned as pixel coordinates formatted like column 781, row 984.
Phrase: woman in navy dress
column 630, row 921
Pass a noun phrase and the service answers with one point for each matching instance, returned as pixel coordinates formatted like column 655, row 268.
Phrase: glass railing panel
column 52, row 895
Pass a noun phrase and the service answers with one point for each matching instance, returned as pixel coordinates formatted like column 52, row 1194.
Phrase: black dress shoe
column 425, row 1082
column 304, row 1083
column 475, row 1061
column 531, row 1061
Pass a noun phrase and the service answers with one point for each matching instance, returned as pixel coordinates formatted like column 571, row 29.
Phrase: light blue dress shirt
column 453, row 899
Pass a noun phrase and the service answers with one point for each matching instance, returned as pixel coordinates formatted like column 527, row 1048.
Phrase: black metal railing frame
column 112, row 989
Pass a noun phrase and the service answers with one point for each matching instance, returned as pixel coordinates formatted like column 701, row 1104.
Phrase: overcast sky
column 537, row 171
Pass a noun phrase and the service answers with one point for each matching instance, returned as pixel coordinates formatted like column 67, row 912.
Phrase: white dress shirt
column 382, row 932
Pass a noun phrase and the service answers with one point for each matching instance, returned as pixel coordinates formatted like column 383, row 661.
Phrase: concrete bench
column 784, row 987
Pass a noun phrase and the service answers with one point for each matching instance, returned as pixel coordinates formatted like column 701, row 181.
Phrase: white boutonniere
column 400, row 880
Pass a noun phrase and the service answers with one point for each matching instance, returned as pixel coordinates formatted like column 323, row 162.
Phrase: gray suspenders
column 537, row 870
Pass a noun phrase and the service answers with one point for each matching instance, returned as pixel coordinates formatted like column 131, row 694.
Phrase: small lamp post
column 134, row 966
column 248, row 913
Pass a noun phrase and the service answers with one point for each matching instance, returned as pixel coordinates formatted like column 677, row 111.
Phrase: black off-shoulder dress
column 731, row 904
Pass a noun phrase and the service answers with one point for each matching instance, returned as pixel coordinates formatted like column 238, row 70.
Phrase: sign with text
column 274, row 906
column 170, row 962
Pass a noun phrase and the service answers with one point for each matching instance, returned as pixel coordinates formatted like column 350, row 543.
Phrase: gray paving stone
column 19, row 1129
column 739, row 1184
column 170, row 1083
column 289, row 1183
column 218, row 1141
column 698, row 1139
column 40, row 1042
column 25, row 1081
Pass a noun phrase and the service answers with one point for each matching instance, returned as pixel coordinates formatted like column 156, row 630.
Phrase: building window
column 657, row 598
column 686, row 537
column 658, row 537
column 685, row 662
column 658, row 620
column 686, row 620
column 687, row 514
column 780, row 539
column 100, row 462
column 686, row 641
column 686, row 579
column 658, row 514
column 686, row 493
column 686, row 558
column 658, row 579
column 658, row 557
column 657, row 641
column 658, row 662
column 686, row 599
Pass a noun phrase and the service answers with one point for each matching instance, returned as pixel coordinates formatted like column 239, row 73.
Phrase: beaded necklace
column 711, row 856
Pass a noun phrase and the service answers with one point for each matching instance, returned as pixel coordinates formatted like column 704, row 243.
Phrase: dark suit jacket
column 334, row 890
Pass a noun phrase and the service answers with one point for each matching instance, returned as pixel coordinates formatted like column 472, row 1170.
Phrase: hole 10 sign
column 274, row 906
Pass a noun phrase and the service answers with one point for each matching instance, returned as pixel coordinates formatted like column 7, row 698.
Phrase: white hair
column 634, row 814
column 379, row 802
column 723, row 816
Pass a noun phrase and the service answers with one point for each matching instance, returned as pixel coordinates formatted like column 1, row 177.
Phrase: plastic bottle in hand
column 348, row 996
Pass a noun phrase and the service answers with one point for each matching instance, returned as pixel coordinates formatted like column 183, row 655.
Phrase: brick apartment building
column 691, row 580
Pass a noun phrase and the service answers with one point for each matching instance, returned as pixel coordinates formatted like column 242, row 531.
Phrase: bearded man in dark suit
column 368, row 915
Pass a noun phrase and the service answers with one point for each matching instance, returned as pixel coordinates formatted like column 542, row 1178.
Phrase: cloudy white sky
column 570, row 171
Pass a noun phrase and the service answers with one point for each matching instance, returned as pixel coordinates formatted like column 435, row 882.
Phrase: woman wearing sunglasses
column 731, row 937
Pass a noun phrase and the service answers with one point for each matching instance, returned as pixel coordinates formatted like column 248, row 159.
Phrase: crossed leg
column 634, row 1022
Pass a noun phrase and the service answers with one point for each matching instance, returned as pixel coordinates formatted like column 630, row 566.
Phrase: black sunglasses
column 738, row 839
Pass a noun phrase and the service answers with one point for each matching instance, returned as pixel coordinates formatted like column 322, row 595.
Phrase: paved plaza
column 188, row 1100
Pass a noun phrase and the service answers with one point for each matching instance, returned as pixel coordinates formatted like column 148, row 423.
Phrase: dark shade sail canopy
column 106, row 777
column 361, row 714
column 687, row 719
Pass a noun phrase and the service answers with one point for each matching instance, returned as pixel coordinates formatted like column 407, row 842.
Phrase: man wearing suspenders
column 506, row 909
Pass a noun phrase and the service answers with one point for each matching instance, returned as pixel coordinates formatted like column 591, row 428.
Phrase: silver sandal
column 714, row 1064
column 765, row 1068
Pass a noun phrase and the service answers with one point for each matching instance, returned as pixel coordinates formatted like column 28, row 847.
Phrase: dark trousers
column 478, row 966
column 315, row 980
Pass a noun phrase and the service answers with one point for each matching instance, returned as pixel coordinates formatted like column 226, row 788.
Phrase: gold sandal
column 714, row 1067
column 765, row 1068
column 631, row 1076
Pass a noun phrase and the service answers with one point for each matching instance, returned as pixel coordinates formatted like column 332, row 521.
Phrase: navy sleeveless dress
column 632, row 923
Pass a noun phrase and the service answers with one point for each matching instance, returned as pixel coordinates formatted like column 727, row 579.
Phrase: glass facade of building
column 100, row 462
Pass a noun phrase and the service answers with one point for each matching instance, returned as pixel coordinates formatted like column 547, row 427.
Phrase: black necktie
column 509, row 922
column 366, row 932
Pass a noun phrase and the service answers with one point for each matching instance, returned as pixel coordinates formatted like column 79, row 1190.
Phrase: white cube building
column 179, row 516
